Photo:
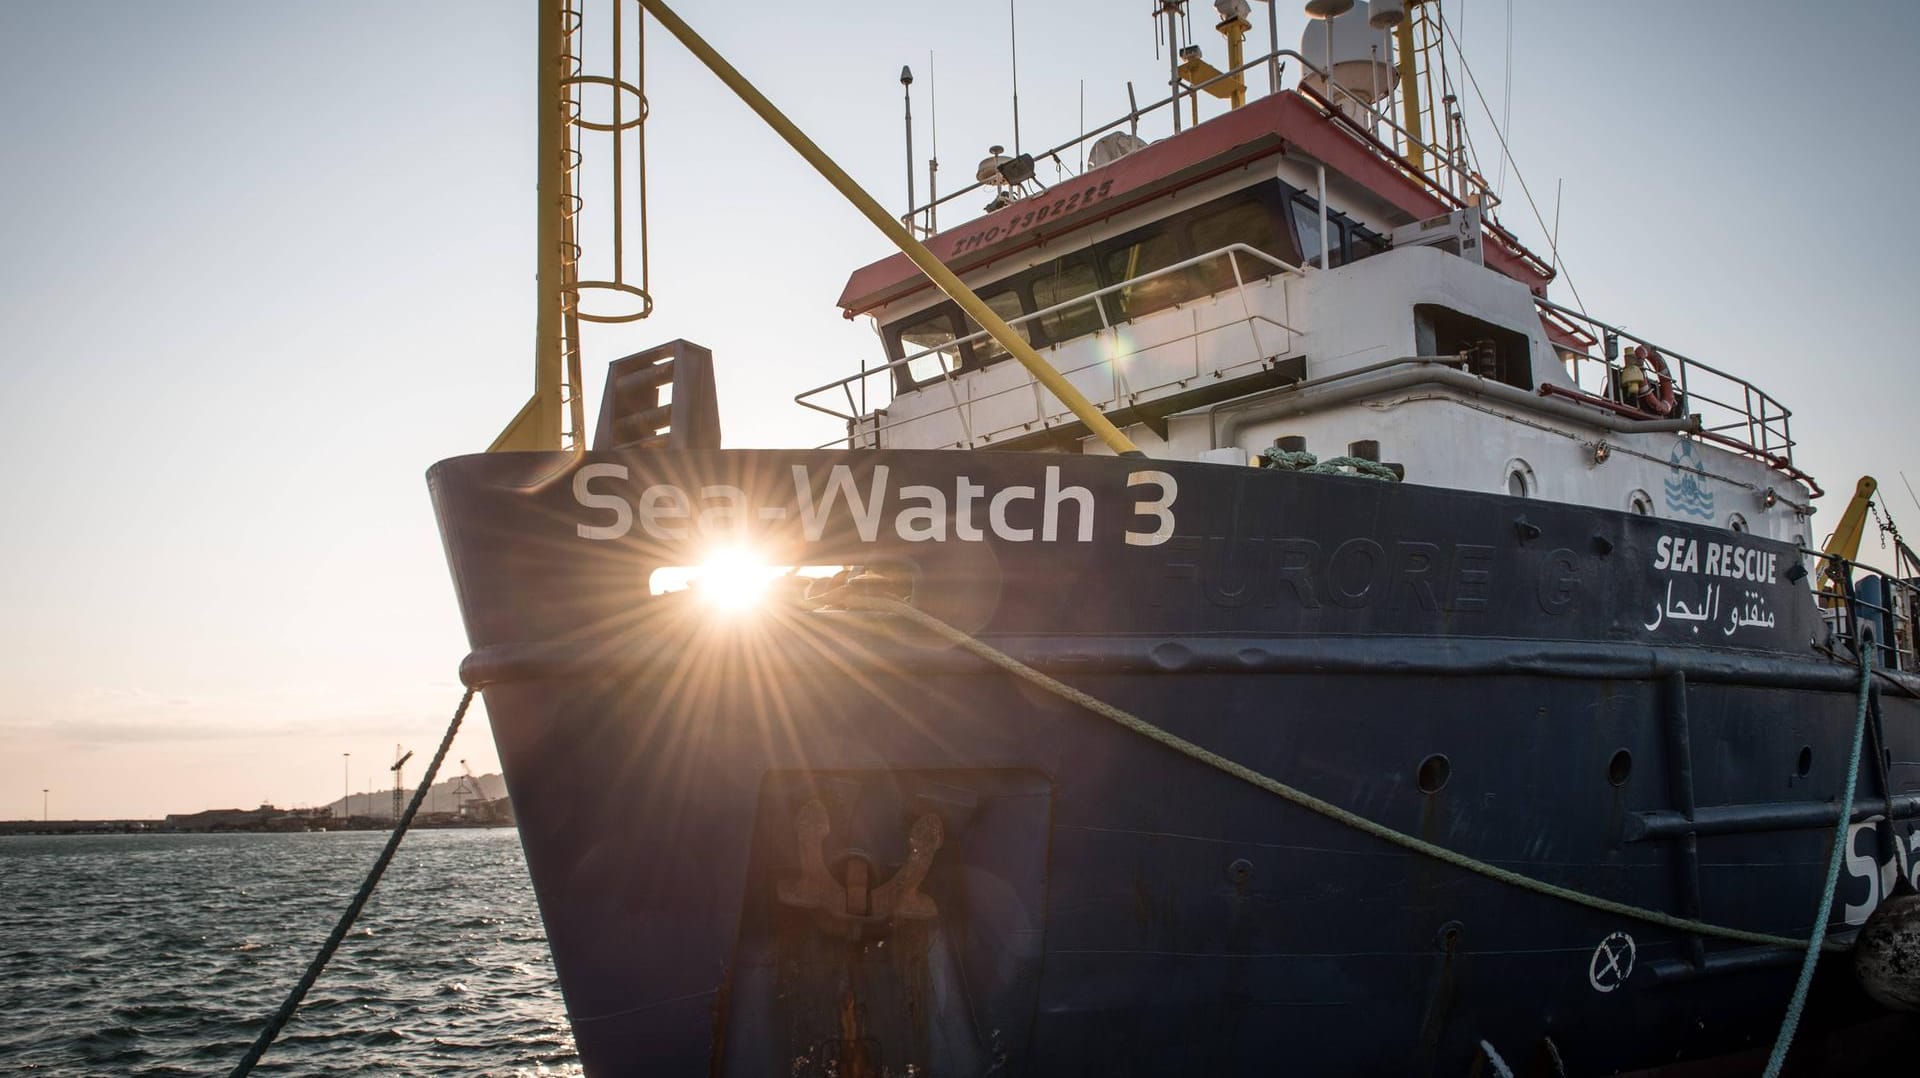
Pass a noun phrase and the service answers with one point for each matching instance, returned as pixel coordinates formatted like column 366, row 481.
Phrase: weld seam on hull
column 1423, row 657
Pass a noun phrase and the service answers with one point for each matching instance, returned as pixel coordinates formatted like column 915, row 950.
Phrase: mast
column 537, row 426
column 1410, row 94
column 555, row 417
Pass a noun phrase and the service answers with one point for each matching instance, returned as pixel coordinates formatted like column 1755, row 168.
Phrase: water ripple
column 164, row 954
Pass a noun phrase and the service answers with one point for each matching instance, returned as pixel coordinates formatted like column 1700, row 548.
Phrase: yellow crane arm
column 1845, row 540
column 1844, row 544
column 983, row 316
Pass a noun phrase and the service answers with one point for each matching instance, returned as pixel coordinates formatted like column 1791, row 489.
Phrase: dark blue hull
column 1513, row 680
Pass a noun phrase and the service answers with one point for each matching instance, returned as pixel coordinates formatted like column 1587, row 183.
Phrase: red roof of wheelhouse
column 1268, row 127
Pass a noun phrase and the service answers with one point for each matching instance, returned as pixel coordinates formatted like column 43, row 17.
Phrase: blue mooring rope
column 280, row 1017
column 1799, row 1001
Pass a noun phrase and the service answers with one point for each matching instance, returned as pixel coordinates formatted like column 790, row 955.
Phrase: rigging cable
column 1506, row 102
column 320, row 960
column 1518, row 177
column 1013, row 52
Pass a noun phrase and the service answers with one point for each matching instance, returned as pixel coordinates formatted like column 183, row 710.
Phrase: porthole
column 1519, row 479
column 1737, row 523
column 1620, row 768
column 1433, row 774
column 1640, row 503
column 1804, row 765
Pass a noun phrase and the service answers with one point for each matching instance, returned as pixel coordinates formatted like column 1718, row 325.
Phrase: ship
column 1248, row 626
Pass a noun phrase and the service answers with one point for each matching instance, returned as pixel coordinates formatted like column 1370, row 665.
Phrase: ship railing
column 1864, row 606
column 946, row 354
column 1447, row 179
column 1734, row 413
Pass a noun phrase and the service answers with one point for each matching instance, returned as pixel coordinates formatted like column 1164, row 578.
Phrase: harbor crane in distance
column 467, row 792
column 400, row 761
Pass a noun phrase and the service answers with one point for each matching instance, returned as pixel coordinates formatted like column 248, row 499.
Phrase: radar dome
column 1387, row 14
column 1362, row 55
column 1110, row 148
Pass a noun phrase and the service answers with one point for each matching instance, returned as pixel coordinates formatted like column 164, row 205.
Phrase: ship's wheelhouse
column 1199, row 292
column 1272, row 217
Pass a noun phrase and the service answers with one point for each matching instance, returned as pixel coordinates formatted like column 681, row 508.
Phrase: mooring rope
column 1300, row 460
column 852, row 597
column 280, row 1017
column 1794, row 1006
column 1500, row 1068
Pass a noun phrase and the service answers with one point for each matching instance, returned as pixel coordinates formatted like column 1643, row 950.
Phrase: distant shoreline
column 159, row 827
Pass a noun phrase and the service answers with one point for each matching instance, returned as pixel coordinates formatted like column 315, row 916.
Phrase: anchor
column 850, row 908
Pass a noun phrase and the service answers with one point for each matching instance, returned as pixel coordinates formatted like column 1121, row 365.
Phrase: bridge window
column 1255, row 216
column 1347, row 239
column 1245, row 220
column 1058, row 282
column 1149, row 249
column 937, row 329
column 1363, row 241
column 1306, row 225
column 1006, row 304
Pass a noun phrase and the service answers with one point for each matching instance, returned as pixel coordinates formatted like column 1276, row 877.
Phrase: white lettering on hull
column 1731, row 561
column 914, row 513
column 1863, row 863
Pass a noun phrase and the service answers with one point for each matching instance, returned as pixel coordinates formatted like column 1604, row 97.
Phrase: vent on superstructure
column 662, row 398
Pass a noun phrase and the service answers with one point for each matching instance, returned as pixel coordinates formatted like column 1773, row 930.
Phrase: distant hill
column 445, row 796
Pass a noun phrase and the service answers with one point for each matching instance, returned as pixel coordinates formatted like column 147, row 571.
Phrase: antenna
column 1273, row 48
column 906, row 93
column 1013, row 46
column 933, row 163
column 1553, row 241
column 1174, row 10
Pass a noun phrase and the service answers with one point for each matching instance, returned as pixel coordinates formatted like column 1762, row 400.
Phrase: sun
column 733, row 579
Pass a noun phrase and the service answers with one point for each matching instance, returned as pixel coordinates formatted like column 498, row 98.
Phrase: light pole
column 345, row 791
column 43, row 804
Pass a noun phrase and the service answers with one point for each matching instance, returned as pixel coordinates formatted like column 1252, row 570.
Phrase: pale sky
column 262, row 264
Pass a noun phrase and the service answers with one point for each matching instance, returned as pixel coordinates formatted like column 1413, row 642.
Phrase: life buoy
column 1656, row 395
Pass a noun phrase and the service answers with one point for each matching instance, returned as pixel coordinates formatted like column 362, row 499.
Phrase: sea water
column 165, row 954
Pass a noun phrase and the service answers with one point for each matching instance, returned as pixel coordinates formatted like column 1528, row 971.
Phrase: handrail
column 1767, row 422
column 960, row 408
column 1093, row 297
column 1842, row 610
column 1133, row 116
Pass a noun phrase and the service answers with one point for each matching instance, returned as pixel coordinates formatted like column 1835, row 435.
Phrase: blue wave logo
column 1686, row 489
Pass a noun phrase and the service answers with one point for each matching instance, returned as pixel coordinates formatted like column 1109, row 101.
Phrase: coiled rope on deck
column 1791, row 1023
column 319, row 963
column 854, row 598
column 1300, row 460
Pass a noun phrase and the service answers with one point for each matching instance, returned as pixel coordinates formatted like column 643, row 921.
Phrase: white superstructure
column 1271, row 284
